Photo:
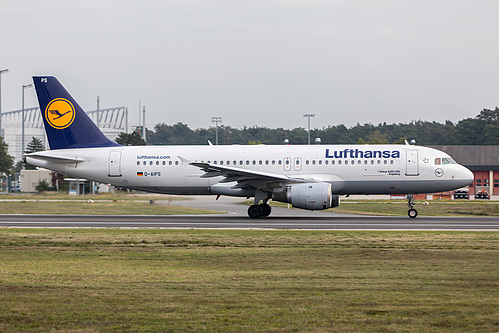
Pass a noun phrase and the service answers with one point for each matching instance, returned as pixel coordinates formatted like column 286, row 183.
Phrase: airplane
column 309, row 177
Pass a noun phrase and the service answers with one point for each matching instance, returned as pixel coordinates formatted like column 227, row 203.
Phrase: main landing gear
column 256, row 210
column 410, row 203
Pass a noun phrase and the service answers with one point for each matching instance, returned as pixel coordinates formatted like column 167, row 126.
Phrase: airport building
column 483, row 161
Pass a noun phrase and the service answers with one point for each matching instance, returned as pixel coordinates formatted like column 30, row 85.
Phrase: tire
column 412, row 213
column 255, row 211
column 266, row 210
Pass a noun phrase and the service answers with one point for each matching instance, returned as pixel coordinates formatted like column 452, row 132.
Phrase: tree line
column 480, row 130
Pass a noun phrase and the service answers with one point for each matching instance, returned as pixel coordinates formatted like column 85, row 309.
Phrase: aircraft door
column 412, row 163
column 115, row 164
column 287, row 164
column 297, row 163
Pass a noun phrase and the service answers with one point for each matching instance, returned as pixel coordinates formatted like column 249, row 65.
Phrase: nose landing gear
column 410, row 203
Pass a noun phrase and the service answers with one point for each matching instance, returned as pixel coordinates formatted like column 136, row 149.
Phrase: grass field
column 112, row 280
column 433, row 208
column 108, row 204
column 96, row 208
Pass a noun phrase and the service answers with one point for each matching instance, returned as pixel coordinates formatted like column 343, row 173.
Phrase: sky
column 260, row 62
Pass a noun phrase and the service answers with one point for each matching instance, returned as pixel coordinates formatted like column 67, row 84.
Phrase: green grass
column 434, row 207
column 96, row 208
column 112, row 280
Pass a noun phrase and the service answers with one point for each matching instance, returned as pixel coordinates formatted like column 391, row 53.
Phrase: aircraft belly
column 399, row 186
column 179, row 190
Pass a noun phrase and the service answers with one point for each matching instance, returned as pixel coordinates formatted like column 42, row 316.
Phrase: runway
column 229, row 221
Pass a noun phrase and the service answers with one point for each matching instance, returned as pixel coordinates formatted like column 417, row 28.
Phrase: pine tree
column 33, row 146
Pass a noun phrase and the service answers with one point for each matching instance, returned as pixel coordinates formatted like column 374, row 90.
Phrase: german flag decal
column 140, row 173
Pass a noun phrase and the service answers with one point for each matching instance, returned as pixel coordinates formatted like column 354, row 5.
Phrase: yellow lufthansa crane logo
column 60, row 113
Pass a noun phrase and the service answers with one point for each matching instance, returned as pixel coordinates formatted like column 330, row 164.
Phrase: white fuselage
column 351, row 169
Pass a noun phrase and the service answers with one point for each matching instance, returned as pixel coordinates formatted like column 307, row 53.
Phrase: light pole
column 2, row 71
column 216, row 120
column 22, row 140
column 308, row 115
column 144, row 132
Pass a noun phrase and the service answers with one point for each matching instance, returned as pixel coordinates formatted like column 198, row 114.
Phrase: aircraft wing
column 243, row 177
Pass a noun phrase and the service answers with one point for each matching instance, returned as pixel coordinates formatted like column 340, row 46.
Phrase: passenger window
column 273, row 162
column 307, row 162
column 240, row 162
column 313, row 162
column 320, row 162
column 254, row 162
column 438, row 161
column 247, row 162
column 266, row 162
column 170, row 163
column 260, row 162
column 235, row 162
column 157, row 162
column 280, row 162
column 164, row 162
column 176, row 162
column 385, row 161
column 287, row 162
column 333, row 162
column 150, row 162
column 346, row 162
column 339, row 162
column 327, row 162
column 144, row 163
column 138, row 162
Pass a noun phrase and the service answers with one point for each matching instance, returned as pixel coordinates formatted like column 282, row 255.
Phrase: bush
column 43, row 186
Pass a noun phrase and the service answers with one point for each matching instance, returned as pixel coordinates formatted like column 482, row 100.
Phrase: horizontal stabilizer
column 49, row 156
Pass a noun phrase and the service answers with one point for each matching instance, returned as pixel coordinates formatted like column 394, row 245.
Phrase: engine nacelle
column 311, row 196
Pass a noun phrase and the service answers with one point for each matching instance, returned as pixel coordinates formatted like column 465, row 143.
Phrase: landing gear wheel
column 266, row 210
column 410, row 203
column 255, row 211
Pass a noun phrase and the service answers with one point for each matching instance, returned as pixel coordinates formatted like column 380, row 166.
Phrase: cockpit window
column 448, row 160
column 438, row 161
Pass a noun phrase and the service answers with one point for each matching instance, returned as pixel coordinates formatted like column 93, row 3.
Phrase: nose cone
column 467, row 177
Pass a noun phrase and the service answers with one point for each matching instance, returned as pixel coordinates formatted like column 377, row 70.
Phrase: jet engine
column 311, row 196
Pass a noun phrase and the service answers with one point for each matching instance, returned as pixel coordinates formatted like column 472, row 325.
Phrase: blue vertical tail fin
column 66, row 124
